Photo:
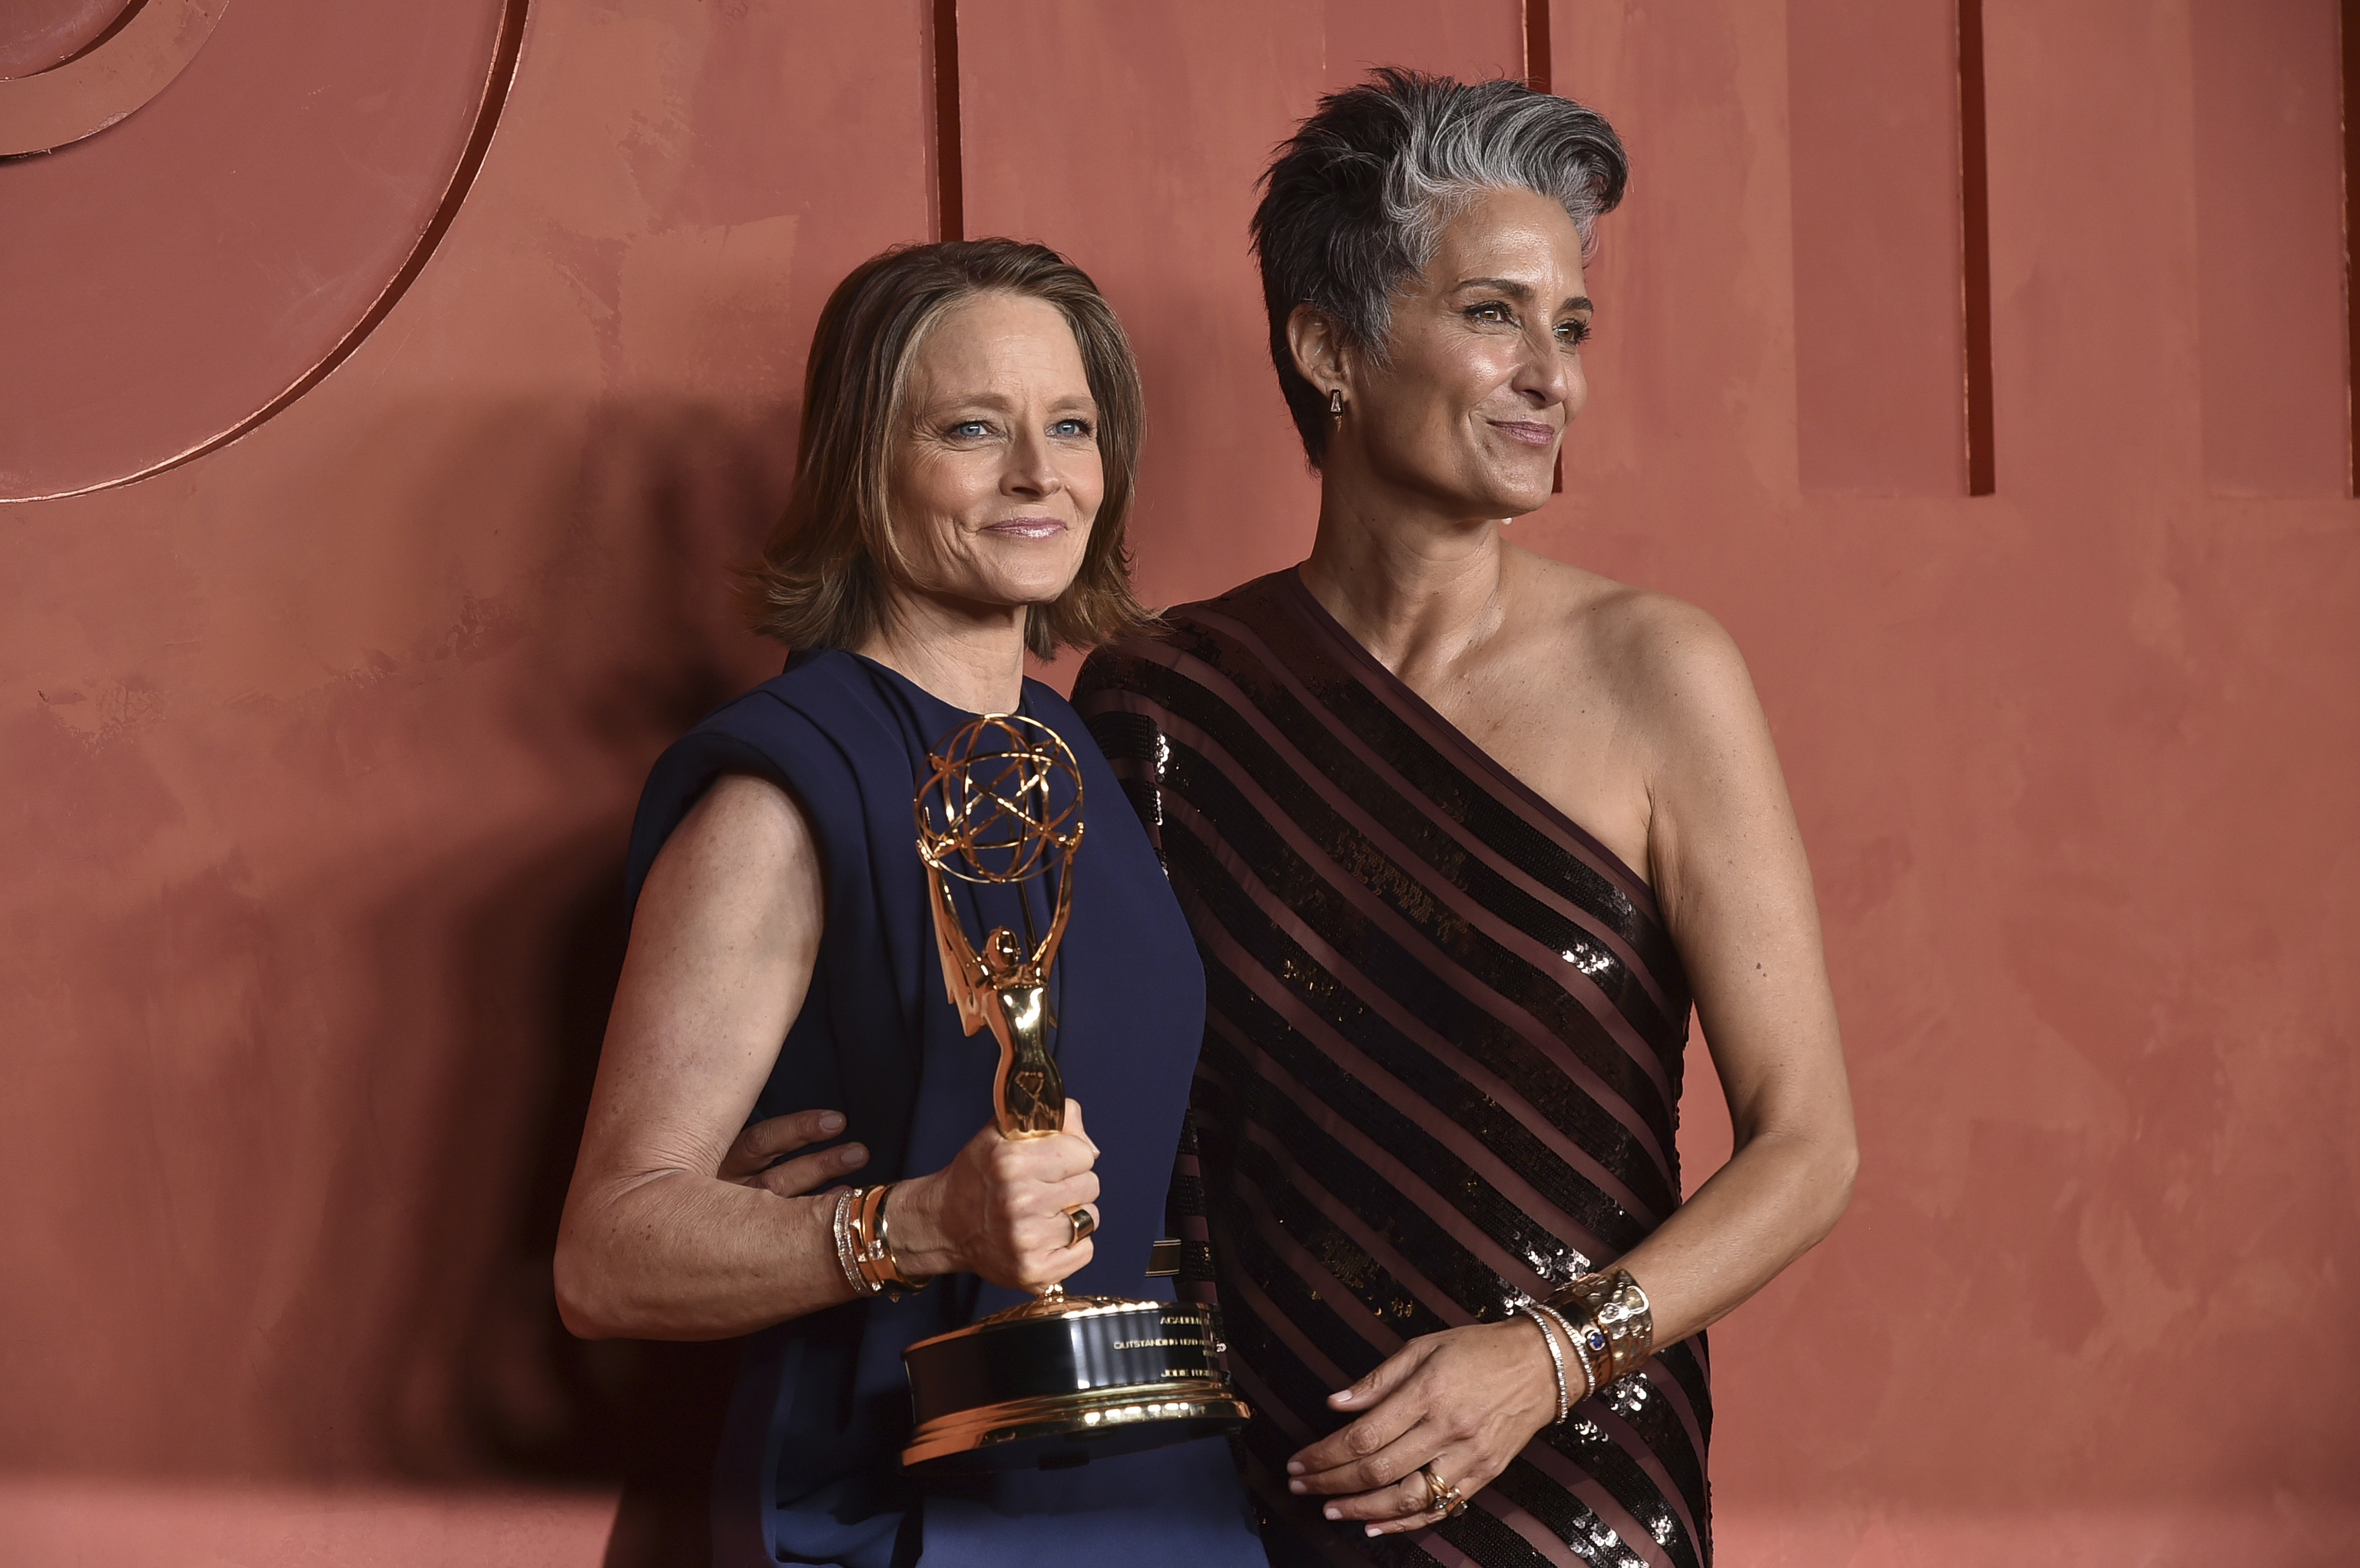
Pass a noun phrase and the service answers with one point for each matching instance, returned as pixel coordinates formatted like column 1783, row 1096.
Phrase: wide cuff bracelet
column 1621, row 1331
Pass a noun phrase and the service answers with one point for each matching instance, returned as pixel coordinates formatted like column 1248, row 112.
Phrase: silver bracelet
column 845, row 1255
column 1557, row 1357
column 1588, row 1373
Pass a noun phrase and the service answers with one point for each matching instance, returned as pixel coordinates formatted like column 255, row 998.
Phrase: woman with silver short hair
column 1463, row 832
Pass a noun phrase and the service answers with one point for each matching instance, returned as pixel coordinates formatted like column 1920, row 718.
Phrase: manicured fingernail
column 1297, row 1487
column 1373, row 1531
column 1295, row 1468
column 1333, row 1513
column 853, row 1154
column 831, row 1122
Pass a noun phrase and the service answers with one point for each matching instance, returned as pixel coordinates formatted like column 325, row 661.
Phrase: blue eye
column 1079, row 428
column 972, row 429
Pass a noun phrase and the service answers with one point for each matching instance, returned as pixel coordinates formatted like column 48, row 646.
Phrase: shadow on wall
column 504, row 954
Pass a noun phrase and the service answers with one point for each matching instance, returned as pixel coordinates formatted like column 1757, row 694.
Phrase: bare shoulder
column 1661, row 659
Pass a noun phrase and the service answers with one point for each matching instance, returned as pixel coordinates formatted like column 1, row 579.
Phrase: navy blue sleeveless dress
column 809, row 1469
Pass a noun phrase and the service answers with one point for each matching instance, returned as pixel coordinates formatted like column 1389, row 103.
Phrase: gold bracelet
column 1622, row 1330
column 873, row 1247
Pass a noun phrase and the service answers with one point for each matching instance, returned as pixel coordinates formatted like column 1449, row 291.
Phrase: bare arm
column 1729, row 871
column 674, row 1227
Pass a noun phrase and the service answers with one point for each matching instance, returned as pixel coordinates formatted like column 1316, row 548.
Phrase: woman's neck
column 1415, row 586
column 971, row 656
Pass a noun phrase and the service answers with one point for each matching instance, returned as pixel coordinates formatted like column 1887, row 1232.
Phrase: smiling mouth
column 1026, row 528
column 1528, row 432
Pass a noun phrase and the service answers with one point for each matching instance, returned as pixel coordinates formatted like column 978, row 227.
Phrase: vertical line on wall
column 1537, row 77
column 950, row 195
column 2351, row 24
column 1974, row 233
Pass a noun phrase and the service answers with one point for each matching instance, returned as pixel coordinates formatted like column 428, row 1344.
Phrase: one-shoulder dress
column 1441, row 1066
column 809, row 1469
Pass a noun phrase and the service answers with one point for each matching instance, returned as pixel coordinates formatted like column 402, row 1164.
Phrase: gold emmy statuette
column 1060, row 1378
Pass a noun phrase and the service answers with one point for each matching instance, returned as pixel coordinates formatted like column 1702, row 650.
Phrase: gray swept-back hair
column 1354, row 204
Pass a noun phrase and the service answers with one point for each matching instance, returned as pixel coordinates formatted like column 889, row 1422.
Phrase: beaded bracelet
column 846, row 1255
column 1581, row 1353
column 1557, row 1357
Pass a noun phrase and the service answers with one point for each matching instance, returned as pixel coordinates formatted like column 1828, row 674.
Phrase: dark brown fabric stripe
column 1189, row 692
column 1456, row 780
column 1409, row 974
column 1382, row 683
column 1443, row 842
column 1396, row 725
column 1495, row 1117
column 1375, row 860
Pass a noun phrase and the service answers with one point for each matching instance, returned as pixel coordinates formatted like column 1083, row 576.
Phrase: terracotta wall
column 318, row 749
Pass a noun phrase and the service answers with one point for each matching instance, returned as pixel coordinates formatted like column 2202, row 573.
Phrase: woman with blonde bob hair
column 970, row 435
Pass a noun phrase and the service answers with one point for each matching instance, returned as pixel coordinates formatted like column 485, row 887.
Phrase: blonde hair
column 822, row 577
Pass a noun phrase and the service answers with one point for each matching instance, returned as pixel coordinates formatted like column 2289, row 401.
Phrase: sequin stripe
column 1463, row 1283
column 1630, row 1487
column 1364, row 1294
column 1248, row 809
column 1289, row 1518
column 1320, row 1219
column 1294, row 1536
column 1406, row 971
column 1304, row 1314
column 1184, row 1219
column 1602, row 1504
column 1565, row 1517
column 1641, row 1503
column 1291, row 1540
column 1296, row 989
column 1403, row 735
column 1289, row 596
column 1685, row 1362
column 1313, row 876
column 1643, row 1422
column 1534, row 1140
column 1675, row 1401
column 1396, row 1165
column 1492, row 1542
column 1663, row 1441
column 1432, row 799
column 1130, row 740
column 1467, row 1270
column 1300, row 1228
column 1250, row 712
column 1651, row 1439
column 1304, row 738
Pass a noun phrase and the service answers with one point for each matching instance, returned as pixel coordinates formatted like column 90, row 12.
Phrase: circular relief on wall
column 282, row 170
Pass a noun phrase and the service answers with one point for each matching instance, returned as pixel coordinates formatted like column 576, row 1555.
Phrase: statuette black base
column 1062, row 1380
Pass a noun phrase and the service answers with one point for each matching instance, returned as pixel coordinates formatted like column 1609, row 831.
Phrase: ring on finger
column 1440, row 1495
column 1083, row 1222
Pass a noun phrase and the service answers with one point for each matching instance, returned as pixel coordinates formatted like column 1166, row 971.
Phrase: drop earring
column 1336, row 403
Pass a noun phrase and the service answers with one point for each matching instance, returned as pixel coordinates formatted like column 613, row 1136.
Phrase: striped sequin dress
column 1441, row 1068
